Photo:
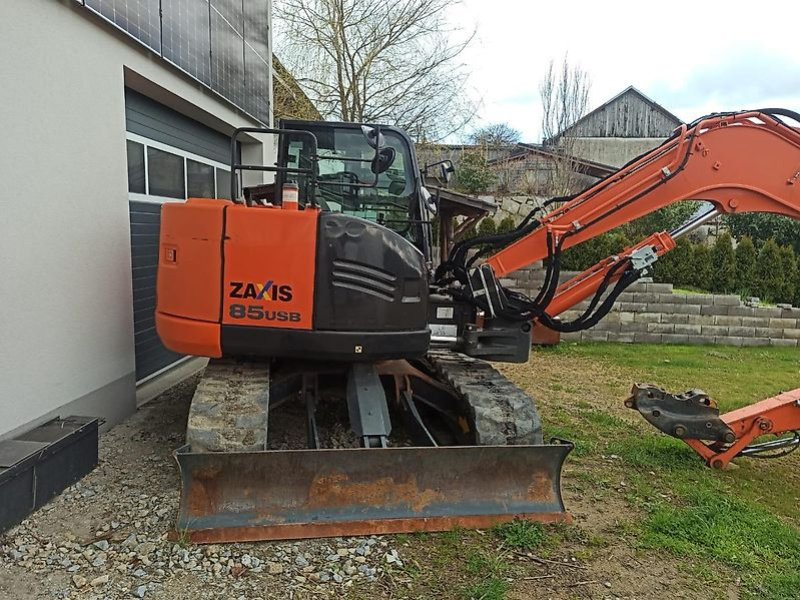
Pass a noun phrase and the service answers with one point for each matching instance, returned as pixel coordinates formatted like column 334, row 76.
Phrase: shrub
column 723, row 262
column 702, row 269
column 676, row 266
column 769, row 278
column 745, row 266
column 487, row 226
column 474, row 175
column 788, row 264
column 506, row 224
column 592, row 251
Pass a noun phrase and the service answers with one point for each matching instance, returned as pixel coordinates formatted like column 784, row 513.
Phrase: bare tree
column 564, row 92
column 495, row 135
column 376, row 61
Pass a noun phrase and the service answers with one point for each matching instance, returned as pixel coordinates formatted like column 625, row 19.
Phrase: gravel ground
column 106, row 537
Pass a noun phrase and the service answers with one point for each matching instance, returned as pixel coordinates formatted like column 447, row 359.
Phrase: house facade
column 627, row 125
column 110, row 108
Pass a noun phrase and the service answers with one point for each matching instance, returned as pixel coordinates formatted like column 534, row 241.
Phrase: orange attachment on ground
column 777, row 415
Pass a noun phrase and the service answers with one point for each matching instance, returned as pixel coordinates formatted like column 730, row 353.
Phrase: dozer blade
column 293, row 494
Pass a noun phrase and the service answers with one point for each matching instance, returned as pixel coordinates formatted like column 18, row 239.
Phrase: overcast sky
column 690, row 57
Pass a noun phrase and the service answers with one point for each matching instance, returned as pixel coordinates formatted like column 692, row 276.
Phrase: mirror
column 384, row 157
column 447, row 171
column 431, row 201
column 374, row 137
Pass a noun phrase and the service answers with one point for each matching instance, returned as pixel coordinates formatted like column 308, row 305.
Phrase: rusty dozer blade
column 293, row 494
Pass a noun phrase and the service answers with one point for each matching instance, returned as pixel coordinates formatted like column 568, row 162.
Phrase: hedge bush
column 746, row 258
column 723, row 262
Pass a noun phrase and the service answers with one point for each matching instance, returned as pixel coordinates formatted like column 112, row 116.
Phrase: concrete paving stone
column 647, row 317
column 727, row 320
column 626, row 317
column 670, row 298
column 674, row 338
column 688, row 329
column 714, row 330
column 622, row 337
column 781, row 342
column 637, row 287
column 687, row 309
column 701, row 319
column 591, row 335
column 647, row 338
column 755, row 341
column 605, row 325
column 783, row 323
column 769, row 332
column 744, row 332
column 633, row 327
column 699, row 340
column 661, row 288
column 660, row 308
column 702, row 299
column 632, row 306
column 674, row 318
column 660, row 327
column 791, row 334
column 647, row 297
column 625, row 297
column 727, row 300
column 768, row 311
column 790, row 313
column 755, row 321
column 741, row 311
column 714, row 309
column 728, row 340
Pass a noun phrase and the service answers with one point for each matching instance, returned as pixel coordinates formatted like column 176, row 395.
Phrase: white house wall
column 66, row 324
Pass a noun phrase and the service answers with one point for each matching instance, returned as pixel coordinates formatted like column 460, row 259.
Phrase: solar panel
column 185, row 36
column 256, row 85
column 224, row 44
column 139, row 18
column 227, row 57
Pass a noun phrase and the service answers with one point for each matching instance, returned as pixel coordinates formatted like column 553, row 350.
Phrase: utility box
column 41, row 463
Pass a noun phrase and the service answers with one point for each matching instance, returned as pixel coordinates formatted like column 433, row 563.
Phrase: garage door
column 170, row 158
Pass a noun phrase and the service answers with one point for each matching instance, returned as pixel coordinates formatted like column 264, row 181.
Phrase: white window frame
column 148, row 143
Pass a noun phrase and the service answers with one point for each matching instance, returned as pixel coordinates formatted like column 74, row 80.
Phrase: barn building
column 620, row 129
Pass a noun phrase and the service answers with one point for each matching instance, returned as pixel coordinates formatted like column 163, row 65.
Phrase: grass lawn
column 650, row 520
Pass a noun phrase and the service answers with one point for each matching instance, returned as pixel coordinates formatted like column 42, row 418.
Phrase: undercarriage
column 440, row 442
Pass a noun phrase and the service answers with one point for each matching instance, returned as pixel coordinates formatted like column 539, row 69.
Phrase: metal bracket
column 691, row 415
column 643, row 258
column 366, row 404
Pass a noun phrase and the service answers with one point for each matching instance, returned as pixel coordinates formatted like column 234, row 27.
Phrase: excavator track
column 234, row 489
column 230, row 407
column 501, row 413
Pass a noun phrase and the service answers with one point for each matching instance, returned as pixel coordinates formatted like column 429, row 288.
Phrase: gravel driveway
column 106, row 536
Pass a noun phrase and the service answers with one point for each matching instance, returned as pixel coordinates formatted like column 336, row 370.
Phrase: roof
column 588, row 167
column 462, row 204
column 628, row 90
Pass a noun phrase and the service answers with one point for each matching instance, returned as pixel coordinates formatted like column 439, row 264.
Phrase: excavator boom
column 740, row 162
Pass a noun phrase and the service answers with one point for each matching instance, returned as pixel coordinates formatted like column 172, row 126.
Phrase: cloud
column 743, row 78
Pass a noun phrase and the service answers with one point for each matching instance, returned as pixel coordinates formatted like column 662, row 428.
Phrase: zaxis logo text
column 269, row 290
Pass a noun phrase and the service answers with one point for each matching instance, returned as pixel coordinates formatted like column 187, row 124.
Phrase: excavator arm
column 739, row 162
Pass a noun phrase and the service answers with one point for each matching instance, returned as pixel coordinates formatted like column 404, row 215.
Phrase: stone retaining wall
column 652, row 313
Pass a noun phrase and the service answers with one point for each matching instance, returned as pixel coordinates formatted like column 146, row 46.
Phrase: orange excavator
column 321, row 285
